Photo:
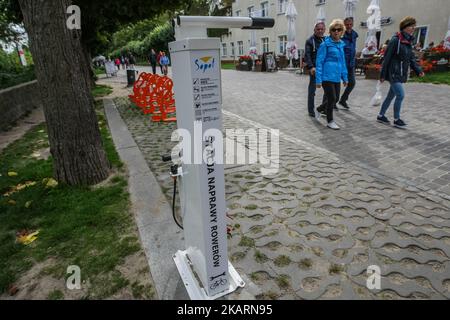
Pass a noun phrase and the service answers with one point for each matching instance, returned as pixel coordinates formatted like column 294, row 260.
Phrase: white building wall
column 431, row 13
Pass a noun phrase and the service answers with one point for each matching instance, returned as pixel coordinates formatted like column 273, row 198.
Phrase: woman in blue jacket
column 397, row 59
column 331, row 69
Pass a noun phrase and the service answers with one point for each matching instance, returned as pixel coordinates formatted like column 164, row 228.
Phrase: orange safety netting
column 153, row 94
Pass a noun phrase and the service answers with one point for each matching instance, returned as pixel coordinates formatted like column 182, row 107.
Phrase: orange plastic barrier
column 153, row 94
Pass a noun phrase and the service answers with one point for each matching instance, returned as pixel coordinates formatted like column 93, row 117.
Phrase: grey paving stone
column 325, row 217
column 416, row 144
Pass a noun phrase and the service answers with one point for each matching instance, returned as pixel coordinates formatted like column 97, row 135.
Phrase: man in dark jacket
column 152, row 59
column 311, row 47
column 132, row 61
column 398, row 58
column 350, row 37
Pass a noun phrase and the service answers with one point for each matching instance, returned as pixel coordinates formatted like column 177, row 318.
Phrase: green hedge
column 8, row 79
column 158, row 39
column 11, row 72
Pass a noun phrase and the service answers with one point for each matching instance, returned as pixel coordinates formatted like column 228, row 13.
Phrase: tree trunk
column 75, row 140
column 89, row 72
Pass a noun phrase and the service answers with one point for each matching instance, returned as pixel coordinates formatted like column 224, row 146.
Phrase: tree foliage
column 112, row 25
column 139, row 38
column 11, row 71
column 100, row 19
column 107, row 16
column 10, row 16
column 157, row 39
column 132, row 32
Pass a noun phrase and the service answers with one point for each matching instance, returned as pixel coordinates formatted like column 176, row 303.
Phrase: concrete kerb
column 159, row 235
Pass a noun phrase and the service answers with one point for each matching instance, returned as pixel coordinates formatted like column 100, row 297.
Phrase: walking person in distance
column 398, row 58
column 350, row 38
column 311, row 48
column 331, row 69
column 153, row 60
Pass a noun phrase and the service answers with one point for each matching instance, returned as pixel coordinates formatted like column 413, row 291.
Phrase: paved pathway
column 311, row 231
column 419, row 155
column 36, row 117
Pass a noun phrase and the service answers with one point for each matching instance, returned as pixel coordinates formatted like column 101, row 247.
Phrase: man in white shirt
column 370, row 50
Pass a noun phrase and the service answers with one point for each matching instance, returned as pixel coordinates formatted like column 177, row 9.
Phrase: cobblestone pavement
column 419, row 156
column 312, row 230
column 119, row 84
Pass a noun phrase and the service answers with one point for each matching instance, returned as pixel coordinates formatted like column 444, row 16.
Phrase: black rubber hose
column 173, row 203
column 263, row 22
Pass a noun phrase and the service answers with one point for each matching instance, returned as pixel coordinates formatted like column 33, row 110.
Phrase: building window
column 238, row 13
column 224, row 50
column 233, row 53
column 282, row 42
column 421, row 36
column 282, row 6
column 265, row 45
column 250, row 11
column 264, row 9
column 241, row 48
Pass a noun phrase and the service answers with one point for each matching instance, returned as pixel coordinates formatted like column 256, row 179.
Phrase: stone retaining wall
column 17, row 101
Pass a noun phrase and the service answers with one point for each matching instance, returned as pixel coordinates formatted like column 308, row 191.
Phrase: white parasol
column 373, row 22
column 321, row 15
column 291, row 47
column 374, row 25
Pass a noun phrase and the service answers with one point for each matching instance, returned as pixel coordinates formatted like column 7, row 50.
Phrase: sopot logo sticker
column 205, row 63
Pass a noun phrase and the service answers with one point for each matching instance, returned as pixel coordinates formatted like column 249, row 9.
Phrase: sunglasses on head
column 337, row 30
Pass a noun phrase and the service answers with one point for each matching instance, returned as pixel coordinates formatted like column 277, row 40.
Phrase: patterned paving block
column 312, row 230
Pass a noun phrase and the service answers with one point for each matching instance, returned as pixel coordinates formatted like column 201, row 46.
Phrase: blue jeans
column 398, row 93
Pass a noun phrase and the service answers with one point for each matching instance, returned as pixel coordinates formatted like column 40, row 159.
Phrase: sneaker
column 321, row 110
column 383, row 120
column 344, row 104
column 400, row 124
column 333, row 125
column 317, row 114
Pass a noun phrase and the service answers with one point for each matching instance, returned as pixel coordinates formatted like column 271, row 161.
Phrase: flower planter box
column 441, row 68
column 373, row 74
column 244, row 66
column 282, row 62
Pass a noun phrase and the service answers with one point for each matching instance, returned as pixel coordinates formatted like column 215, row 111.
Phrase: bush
column 437, row 53
column 26, row 74
column 245, row 63
column 158, row 39
column 11, row 72
column 136, row 48
column 99, row 70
